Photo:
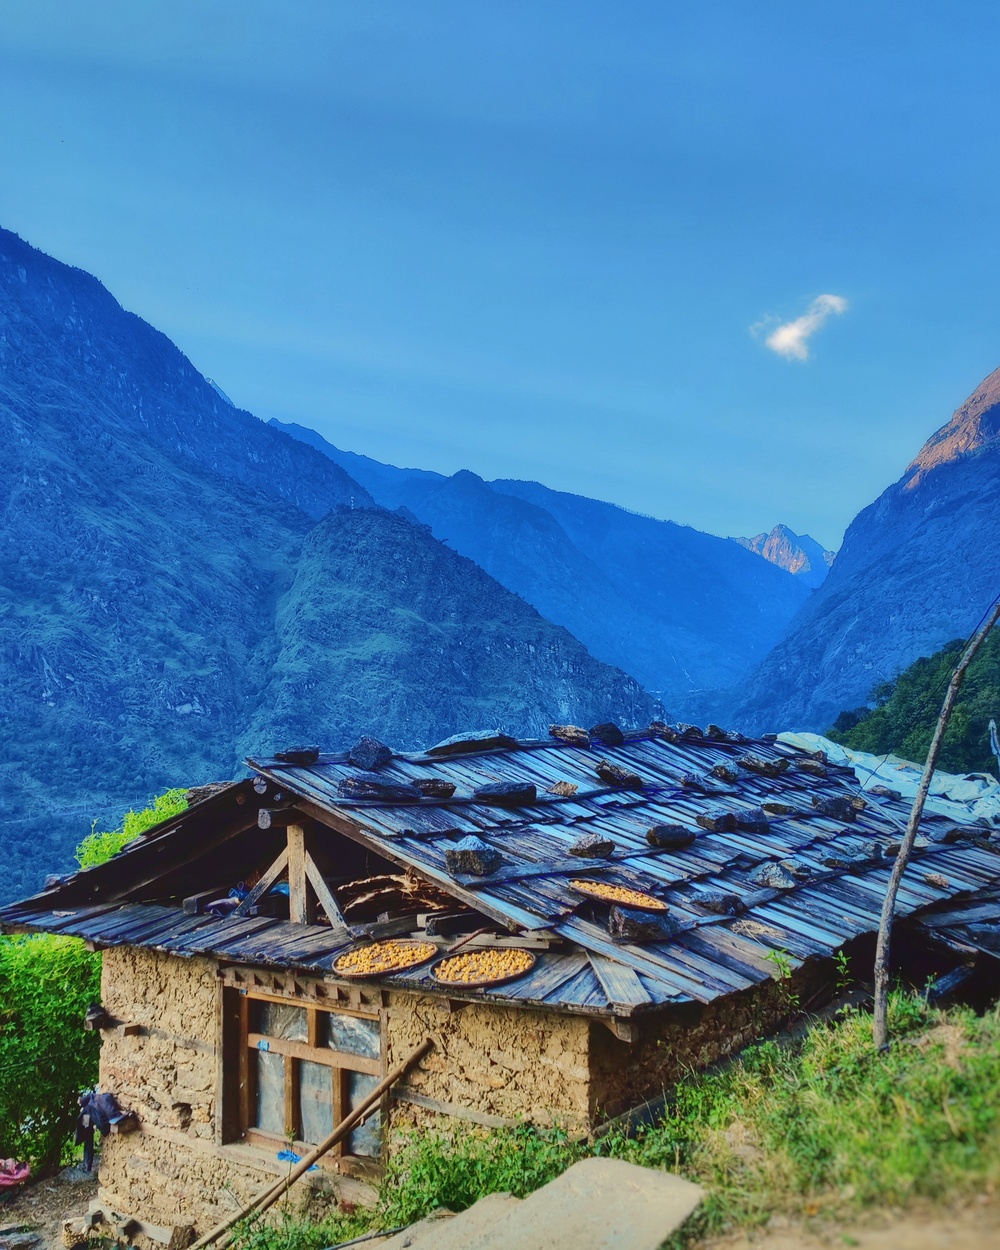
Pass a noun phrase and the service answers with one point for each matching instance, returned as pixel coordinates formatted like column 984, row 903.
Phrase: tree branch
column 881, row 1028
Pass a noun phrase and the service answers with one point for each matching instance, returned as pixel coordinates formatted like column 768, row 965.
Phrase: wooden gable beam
column 303, row 876
column 508, row 915
column 263, row 885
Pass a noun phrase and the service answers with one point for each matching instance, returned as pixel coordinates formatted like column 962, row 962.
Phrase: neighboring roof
column 828, row 890
column 969, row 926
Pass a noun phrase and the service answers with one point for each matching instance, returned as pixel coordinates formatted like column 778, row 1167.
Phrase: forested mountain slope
column 155, row 617
column 906, row 712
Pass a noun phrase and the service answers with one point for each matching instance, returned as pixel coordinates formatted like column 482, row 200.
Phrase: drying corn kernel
column 382, row 957
column 494, row 963
column 619, row 894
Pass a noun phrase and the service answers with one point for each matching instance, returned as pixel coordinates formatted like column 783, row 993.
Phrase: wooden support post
column 298, row 894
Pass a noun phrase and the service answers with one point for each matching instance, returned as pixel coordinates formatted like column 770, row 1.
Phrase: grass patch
column 824, row 1124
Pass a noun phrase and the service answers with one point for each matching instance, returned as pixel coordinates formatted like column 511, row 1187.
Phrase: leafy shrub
column 434, row 1170
column 46, row 984
column 98, row 847
column 905, row 711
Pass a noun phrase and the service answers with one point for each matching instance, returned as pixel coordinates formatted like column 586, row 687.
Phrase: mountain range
column 684, row 612
column 181, row 584
column 917, row 569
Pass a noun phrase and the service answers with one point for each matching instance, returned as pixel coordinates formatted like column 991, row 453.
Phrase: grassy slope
column 825, row 1125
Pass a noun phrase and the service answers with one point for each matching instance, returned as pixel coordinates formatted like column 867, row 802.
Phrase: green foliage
column 906, row 710
column 99, row 847
column 289, row 1232
column 826, row 1123
column 434, row 1170
column 46, row 985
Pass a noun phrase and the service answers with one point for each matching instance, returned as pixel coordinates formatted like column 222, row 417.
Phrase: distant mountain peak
column 975, row 424
column 799, row 554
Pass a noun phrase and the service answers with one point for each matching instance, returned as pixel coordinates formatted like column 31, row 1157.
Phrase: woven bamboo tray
column 484, row 982
column 367, row 974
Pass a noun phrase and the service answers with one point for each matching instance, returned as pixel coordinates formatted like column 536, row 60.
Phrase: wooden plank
column 227, row 935
column 324, row 895
column 583, row 988
column 52, row 921
column 972, row 913
column 521, row 872
column 453, row 1110
column 545, row 979
column 228, row 1064
column 298, row 894
column 264, row 884
column 302, row 1050
column 620, row 983
column 651, row 964
column 176, row 940
column 248, row 1093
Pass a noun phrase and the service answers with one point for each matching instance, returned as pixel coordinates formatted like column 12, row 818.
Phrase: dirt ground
column 975, row 1226
column 42, row 1206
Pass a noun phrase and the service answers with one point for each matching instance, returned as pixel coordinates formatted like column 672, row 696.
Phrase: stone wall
column 502, row 1063
column 690, row 1037
column 490, row 1064
column 172, row 1170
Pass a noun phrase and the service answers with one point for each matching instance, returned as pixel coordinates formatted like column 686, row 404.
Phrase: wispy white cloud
column 791, row 338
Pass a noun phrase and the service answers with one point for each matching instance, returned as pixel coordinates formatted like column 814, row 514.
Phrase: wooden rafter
column 264, row 884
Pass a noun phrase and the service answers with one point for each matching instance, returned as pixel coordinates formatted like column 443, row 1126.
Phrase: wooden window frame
column 341, row 1063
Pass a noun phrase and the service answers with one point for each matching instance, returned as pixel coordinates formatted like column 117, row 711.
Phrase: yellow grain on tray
column 495, row 963
column 619, row 894
column 382, row 957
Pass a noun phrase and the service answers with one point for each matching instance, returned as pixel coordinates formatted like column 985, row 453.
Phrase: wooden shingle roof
column 802, row 877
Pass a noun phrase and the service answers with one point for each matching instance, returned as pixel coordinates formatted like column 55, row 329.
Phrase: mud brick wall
column 690, row 1036
column 494, row 1063
column 172, row 1171
column 500, row 1062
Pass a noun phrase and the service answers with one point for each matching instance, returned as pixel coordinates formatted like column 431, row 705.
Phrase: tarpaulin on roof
column 968, row 796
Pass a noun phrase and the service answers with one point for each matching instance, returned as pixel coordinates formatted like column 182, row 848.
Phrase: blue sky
column 534, row 239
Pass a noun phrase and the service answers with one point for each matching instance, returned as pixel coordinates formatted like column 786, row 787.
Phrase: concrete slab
column 597, row 1204
column 445, row 1231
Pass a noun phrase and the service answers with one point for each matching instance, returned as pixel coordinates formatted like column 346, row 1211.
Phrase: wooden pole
column 268, row 1197
column 880, row 1028
column 298, row 895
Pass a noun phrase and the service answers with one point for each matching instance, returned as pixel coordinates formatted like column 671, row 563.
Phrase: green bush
column 98, row 847
column 905, row 711
column 46, row 984
column 434, row 1170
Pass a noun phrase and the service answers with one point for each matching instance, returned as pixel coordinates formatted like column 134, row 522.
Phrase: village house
column 620, row 907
